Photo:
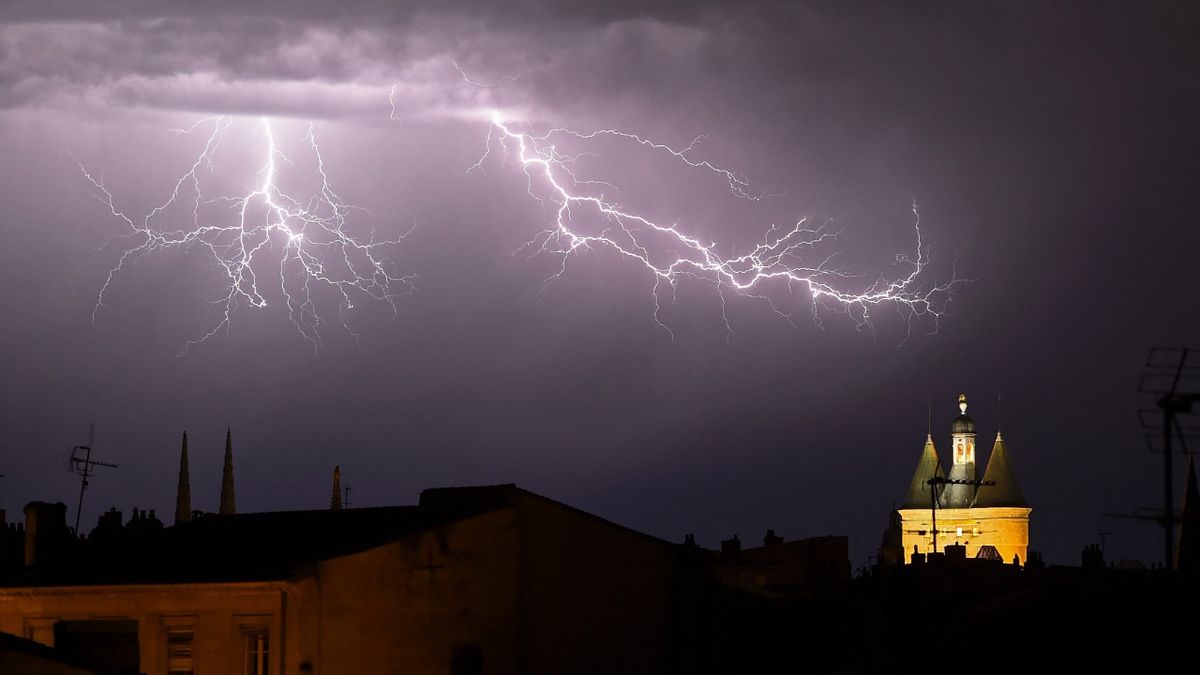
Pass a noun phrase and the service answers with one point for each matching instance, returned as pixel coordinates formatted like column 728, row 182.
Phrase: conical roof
column 928, row 467
column 1005, row 492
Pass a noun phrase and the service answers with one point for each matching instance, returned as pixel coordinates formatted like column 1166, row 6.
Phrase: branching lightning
column 307, row 239
column 799, row 256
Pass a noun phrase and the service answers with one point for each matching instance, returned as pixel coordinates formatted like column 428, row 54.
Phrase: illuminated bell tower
column 962, row 458
column 991, row 521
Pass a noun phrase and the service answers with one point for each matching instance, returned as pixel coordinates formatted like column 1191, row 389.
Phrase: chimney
column 45, row 530
column 731, row 546
column 183, row 493
column 227, row 502
column 335, row 500
column 771, row 539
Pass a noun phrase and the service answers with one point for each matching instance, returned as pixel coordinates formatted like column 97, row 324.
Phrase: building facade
column 478, row 580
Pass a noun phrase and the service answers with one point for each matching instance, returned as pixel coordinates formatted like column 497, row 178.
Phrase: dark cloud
column 1053, row 147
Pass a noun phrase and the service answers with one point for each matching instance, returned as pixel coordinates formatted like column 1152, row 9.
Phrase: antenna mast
column 933, row 497
column 1173, row 366
column 83, row 464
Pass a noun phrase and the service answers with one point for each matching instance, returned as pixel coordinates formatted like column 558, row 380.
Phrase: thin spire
column 183, row 493
column 228, row 504
column 335, row 499
column 928, row 418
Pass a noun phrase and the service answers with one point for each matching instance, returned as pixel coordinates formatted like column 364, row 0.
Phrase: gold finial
column 962, row 403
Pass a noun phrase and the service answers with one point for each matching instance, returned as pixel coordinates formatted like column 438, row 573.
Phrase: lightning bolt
column 796, row 257
column 479, row 83
column 308, row 241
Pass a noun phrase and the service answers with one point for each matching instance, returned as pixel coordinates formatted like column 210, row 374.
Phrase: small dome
column 962, row 423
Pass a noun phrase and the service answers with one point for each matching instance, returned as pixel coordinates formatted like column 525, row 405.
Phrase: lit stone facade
column 988, row 516
column 215, row 618
column 1004, row 528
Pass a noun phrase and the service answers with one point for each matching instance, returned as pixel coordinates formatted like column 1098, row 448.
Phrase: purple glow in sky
column 1051, row 149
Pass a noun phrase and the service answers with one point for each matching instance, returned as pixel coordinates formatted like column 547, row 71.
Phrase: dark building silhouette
column 778, row 567
column 19, row 656
column 488, row 579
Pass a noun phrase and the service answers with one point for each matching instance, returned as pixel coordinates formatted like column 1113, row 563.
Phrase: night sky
column 1052, row 149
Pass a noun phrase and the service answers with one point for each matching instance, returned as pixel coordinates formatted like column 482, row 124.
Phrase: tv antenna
column 83, row 464
column 1172, row 375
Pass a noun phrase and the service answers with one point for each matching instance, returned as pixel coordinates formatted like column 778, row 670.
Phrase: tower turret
column 962, row 459
column 228, row 505
column 183, row 493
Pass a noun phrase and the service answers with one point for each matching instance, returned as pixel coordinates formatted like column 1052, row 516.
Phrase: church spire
column 228, row 506
column 335, row 499
column 183, row 493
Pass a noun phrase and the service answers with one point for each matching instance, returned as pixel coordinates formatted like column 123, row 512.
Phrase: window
column 180, row 633
column 179, row 650
column 256, row 650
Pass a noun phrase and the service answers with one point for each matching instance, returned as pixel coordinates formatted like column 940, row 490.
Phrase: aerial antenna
column 1172, row 376
column 999, row 414
column 929, row 417
column 346, row 501
column 933, row 483
column 83, row 464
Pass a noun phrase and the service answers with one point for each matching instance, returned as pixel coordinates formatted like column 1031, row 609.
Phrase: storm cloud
column 1051, row 149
